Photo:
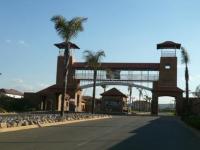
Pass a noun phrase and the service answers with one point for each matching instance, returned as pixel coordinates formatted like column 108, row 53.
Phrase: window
column 167, row 67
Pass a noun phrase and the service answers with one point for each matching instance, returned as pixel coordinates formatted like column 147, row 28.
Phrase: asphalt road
column 122, row 132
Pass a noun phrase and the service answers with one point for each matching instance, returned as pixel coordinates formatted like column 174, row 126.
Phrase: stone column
column 154, row 104
column 179, row 105
column 44, row 104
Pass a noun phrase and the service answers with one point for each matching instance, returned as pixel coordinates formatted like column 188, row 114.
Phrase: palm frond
column 197, row 91
column 100, row 54
column 68, row 29
column 93, row 59
column 76, row 26
column 184, row 56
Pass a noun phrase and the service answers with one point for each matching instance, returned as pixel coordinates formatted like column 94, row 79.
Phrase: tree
column 148, row 101
column 140, row 95
column 185, row 60
column 104, row 86
column 93, row 60
column 197, row 91
column 130, row 95
column 67, row 30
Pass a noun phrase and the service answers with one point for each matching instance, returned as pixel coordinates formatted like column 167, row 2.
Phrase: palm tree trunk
column 94, row 91
column 187, row 89
column 130, row 97
column 66, row 63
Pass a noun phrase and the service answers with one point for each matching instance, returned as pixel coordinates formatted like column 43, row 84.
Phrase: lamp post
column 67, row 54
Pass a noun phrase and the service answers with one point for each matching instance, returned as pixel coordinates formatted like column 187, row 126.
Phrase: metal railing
column 168, row 54
column 129, row 77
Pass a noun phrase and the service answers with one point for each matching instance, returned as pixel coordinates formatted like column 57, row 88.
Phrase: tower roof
column 168, row 45
column 64, row 45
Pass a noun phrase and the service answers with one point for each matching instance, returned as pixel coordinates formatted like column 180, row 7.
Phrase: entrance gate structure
column 163, row 76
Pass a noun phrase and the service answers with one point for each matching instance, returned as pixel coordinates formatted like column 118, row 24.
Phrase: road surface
column 120, row 132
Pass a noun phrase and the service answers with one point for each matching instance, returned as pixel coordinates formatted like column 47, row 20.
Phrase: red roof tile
column 168, row 88
column 113, row 92
column 51, row 89
column 168, row 45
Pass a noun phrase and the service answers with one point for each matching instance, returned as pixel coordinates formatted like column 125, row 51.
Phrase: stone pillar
column 154, row 104
column 44, row 104
column 56, row 102
column 179, row 105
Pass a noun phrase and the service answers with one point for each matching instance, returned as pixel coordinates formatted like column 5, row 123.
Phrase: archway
column 170, row 93
column 166, row 105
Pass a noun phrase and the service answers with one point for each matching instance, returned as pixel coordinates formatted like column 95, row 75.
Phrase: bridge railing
column 129, row 77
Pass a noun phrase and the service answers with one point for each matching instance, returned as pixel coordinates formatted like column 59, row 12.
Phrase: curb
column 48, row 125
column 192, row 129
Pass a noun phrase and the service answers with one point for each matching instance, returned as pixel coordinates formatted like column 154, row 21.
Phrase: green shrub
column 193, row 121
column 17, row 105
column 2, row 110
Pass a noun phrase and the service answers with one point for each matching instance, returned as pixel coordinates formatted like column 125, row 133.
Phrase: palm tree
column 140, row 95
column 93, row 60
column 130, row 95
column 67, row 30
column 185, row 60
column 104, row 86
column 148, row 101
column 197, row 91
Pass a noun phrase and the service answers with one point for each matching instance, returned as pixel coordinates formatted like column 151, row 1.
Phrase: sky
column 127, row 30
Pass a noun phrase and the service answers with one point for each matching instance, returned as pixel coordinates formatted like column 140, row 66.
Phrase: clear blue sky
column 127, row 30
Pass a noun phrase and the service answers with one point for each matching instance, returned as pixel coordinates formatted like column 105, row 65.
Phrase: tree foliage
column 17, row 105
column 197, row 91
column 93, row 59
column 68, row 29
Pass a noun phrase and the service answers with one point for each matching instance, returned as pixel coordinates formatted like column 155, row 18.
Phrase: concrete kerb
column 49, row 124
column 193, row 130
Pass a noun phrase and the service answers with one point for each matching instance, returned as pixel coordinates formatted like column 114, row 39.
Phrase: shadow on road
column 164, row 133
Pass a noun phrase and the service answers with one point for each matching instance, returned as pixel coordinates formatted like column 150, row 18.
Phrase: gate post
column 179, row 105
column 154, row 104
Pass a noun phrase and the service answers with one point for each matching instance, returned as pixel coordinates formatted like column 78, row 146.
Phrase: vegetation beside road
column 8, row 104
column 193, row 121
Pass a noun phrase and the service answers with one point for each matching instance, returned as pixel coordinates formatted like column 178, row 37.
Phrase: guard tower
column 167, row 83
column 73, row 95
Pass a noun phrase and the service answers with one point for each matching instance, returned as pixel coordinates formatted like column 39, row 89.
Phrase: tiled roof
column 168, row 88
column 168, row 45
column 63, row 45
column 51, row 90
column 113, row 92
column 11, row 91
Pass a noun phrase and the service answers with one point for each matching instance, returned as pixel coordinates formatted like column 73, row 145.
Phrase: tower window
column 167, row 67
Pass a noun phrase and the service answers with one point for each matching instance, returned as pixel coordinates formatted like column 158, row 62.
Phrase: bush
column 17, row 105
column 2, row 110
column 193, row 121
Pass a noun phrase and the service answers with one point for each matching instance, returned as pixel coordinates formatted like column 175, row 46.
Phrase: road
column 120, row 132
